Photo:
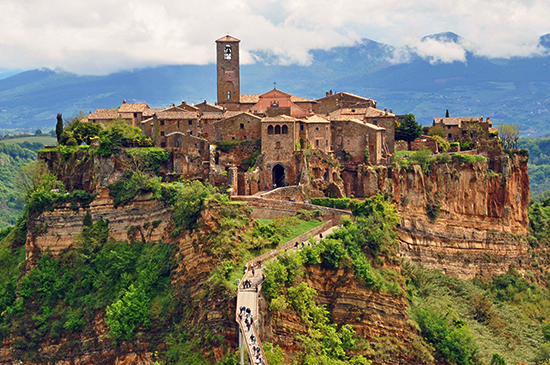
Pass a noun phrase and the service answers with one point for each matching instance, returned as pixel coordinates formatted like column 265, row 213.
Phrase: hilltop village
column 144, row 220
column 258, row 141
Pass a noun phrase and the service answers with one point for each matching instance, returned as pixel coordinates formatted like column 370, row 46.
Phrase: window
column 450, row 135
column 162, row 133
column 245, row 138
column 135, row 115
column 277, row 144
column 162, row 122
column 190, row 133
column 270, row 129
column 178, row 123
column 316, row 129
column 190, row 122
column 301, row 126
column 277, row 129
column 227, row 52
column 326, row 142
column 206, row 135
column 163, row 144
column 316, row 143
column 233, row 138
column 242, row 126
column 228, row 95
column 448, row 127
column 285, row 129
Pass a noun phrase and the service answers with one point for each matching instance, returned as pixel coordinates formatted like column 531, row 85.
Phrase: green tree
column 447, row 113
column 38, row 132
column 409, row 129
column 509, row 134
column 59, row 127
column 436, row 130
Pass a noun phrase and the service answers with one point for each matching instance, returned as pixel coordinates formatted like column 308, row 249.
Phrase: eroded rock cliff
column 460, row 217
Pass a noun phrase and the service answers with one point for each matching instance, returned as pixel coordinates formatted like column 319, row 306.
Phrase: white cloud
column 101, row 36
column 444, row 51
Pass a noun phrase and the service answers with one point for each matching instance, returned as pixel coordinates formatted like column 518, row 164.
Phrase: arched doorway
column 278, row 176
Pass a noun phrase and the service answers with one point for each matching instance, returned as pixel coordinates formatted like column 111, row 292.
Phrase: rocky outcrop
column 463, row 218
column 147, row 218
column 379, row 319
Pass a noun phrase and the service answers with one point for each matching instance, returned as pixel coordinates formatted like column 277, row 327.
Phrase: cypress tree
column 447, row 114
column 59, row 127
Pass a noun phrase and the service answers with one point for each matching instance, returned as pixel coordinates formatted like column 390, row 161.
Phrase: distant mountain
column 507, row 90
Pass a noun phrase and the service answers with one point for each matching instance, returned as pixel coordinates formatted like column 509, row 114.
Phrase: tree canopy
column 409, row 129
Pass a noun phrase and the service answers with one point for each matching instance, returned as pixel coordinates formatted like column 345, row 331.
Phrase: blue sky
column 103, row 36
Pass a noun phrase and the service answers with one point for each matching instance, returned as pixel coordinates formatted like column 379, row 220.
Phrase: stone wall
column 425, row 142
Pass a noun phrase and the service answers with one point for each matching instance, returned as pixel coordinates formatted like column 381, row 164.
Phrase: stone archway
column 278, row 175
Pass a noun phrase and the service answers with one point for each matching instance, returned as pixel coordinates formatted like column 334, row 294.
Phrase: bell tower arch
column 228, row 80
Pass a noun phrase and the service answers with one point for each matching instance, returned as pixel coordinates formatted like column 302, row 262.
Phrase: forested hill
column 13, row 157
column 539, row 164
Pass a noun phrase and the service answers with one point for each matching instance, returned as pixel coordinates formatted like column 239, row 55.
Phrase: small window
column 233, row 138
column 242, row 126
column 316, row 143
column 277, row 129
column 162, row 122
column 450, row 135
column 205, row 135
column 270, row 129
column 316, row 129
column 135, row 115
column 245, row 138
column 277, row 144
column 326, row 142
column 191, row 133
column 301, row 126
column 162, row 133
column 190, row 122
column 178, row 123
column 448, row 127
column 228, row 95
column 326, row 128
column 285, row 129
column 163, row 144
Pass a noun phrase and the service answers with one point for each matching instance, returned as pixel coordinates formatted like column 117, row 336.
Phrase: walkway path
column 248, row 297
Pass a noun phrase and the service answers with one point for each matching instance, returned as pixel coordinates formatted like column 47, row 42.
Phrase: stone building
column 334, row 101
column 315, row 132
column 279, row 140
column 457, row 127
column 242, row 127
column 167, row 121
column 132, row 112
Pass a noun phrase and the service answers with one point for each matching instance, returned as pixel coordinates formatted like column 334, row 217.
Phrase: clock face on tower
column 227, row 52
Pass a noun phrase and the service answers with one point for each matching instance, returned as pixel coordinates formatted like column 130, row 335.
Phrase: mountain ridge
column 507, row 90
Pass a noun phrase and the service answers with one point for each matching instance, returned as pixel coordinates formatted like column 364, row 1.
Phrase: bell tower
column 227, row 60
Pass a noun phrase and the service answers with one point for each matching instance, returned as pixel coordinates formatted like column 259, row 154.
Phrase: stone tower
column 227, row 60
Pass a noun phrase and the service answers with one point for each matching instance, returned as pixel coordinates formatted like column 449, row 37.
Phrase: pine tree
column 408, row 130
column 447, row 114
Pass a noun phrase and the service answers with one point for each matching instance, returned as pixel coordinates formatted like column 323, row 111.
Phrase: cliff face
column 478, row 215
column 208, row 307
column 379, row 319
column 57, row 230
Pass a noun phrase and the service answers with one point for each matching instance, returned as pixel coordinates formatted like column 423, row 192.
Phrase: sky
column 104, row 36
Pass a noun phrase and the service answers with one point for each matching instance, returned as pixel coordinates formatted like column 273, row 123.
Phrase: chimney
column 326, row 93
column 391, row 111
column 124, row 101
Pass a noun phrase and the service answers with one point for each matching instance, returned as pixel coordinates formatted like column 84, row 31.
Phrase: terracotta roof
column 316, row 119
column 349, row 94
column 212, row 115
column 456, row 120
column 278, row 118
column 228, row 38
column 147, row 120
column 104, row 114
column 298, row 99
column 133, row 107
column 210, row 105
column 150, row 112
column 227, row 115
column 249, row 98
column 374, row 112
column 176, row 115
column 374, row 126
